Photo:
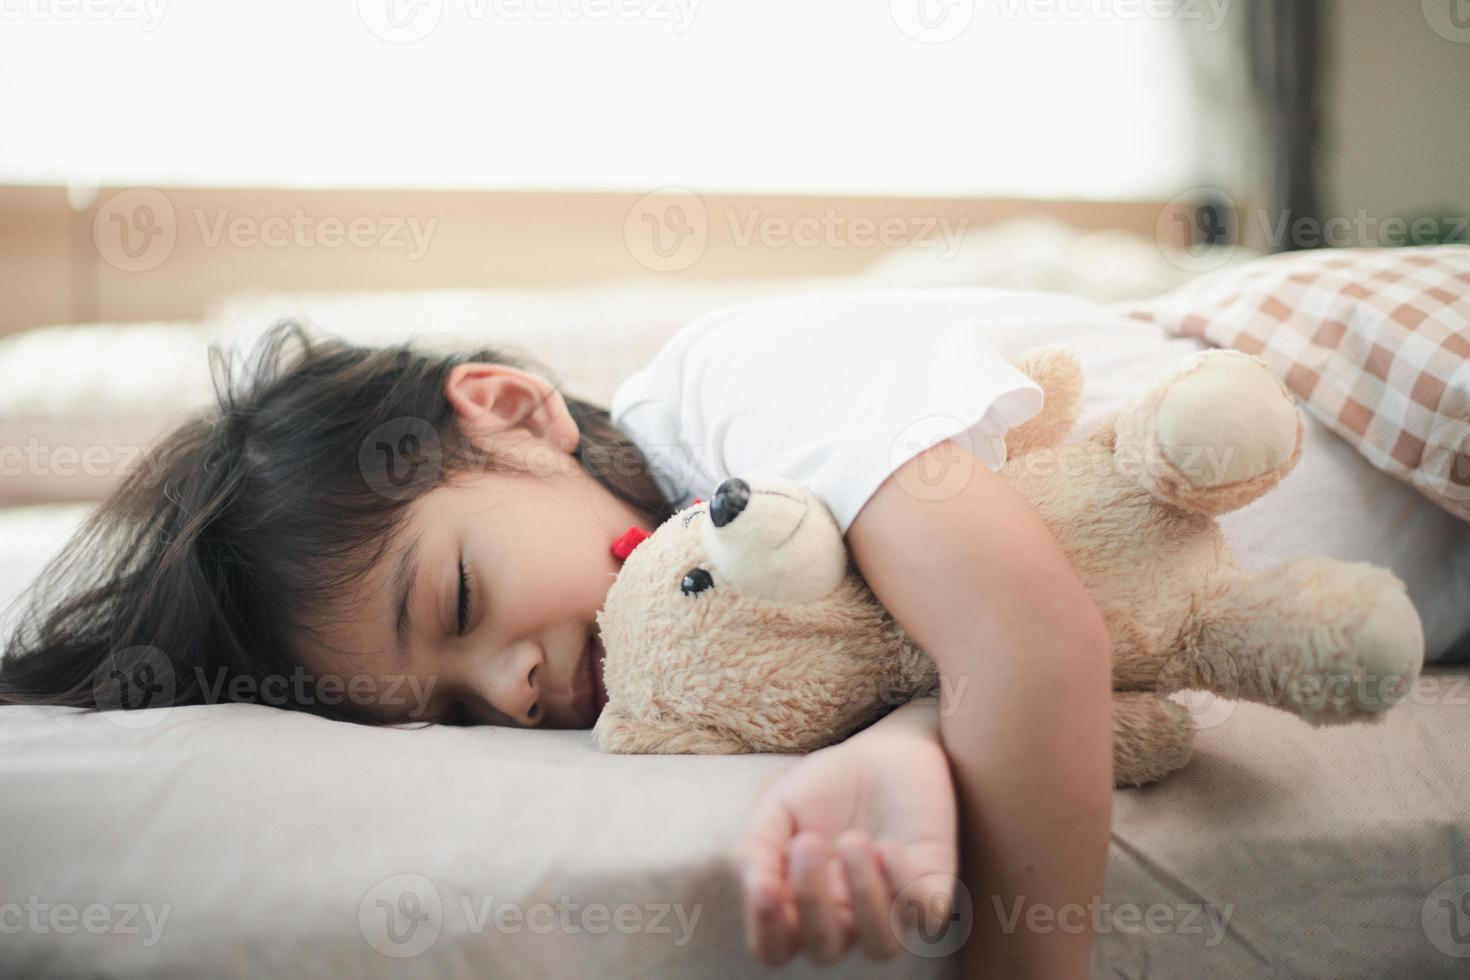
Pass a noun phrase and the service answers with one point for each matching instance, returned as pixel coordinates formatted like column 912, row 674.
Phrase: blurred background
column 579, row 177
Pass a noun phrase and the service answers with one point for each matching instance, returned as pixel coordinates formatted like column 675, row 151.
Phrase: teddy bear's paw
column 1380, row 656
column 1216, row 434
column 1152, row 737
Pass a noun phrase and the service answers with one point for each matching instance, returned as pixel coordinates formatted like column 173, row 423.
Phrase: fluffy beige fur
column 788, row 650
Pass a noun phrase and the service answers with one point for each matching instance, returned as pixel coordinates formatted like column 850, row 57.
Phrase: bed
column 275, row 844
column 243, row 841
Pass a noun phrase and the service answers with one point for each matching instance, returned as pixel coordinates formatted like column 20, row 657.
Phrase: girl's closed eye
column 464, row 598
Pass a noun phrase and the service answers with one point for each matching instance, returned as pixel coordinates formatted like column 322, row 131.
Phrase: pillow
column 78, row 404
column 1374, row 341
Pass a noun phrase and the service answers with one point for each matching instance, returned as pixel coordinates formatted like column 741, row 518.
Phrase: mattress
column 243, row 841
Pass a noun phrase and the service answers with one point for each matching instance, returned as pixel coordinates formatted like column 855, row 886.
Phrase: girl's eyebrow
column 405, row 573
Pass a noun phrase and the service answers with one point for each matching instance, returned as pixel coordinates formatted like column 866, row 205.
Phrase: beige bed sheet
column 251, row 842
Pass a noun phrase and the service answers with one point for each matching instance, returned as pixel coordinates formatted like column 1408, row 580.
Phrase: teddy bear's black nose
column 730, row 499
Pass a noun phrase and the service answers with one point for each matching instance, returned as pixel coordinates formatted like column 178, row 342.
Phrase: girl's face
column 517, row 644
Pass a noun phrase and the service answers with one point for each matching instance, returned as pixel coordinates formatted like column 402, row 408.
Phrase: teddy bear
column 741, row 624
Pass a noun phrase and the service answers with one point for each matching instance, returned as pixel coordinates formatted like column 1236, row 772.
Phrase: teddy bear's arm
column 619, row 731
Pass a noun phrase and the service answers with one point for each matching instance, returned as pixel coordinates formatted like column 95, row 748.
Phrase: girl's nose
column 516, row 685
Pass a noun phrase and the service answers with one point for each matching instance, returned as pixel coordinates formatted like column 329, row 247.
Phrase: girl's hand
column 854, row 843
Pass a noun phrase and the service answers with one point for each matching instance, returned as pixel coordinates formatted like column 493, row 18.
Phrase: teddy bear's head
column 741, row 625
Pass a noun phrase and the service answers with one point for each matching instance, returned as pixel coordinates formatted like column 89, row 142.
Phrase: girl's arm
column 967, row 567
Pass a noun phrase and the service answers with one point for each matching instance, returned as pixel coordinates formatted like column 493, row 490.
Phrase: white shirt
column 833, row 390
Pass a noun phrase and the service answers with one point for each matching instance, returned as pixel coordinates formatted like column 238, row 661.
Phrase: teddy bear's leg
column 1330, row 641
column 619, row 731
column 1152, row 737
column 1056, row 369
column 1214, row 434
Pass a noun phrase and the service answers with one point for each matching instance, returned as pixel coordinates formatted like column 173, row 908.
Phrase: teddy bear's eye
column 696, row 580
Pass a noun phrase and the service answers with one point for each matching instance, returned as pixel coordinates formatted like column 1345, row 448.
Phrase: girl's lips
column 599, row 691
column 590, row 696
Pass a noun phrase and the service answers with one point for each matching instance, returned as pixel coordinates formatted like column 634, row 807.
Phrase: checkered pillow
column 1375, row 341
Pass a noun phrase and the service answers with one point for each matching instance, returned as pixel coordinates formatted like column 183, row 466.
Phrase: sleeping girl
column 398, row 536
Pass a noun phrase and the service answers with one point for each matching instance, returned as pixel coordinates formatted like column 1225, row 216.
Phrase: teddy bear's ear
column 618, row 731
column 1056, row 369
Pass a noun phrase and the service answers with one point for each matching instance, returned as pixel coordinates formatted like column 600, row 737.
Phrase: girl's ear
column 498, row 397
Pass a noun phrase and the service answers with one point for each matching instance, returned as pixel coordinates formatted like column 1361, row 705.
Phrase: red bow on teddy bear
column 633, row 537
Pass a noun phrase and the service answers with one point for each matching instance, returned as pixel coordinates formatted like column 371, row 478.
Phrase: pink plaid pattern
column 1375, row 341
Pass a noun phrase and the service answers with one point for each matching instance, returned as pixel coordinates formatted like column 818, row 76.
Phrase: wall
column 1396, row 120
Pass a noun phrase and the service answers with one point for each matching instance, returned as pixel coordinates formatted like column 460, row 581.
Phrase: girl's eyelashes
column 464, row 598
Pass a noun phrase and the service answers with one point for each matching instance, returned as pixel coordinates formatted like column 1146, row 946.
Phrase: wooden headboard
column 65, row 260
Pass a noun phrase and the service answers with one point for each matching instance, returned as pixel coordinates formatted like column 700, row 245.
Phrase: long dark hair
column 188, row 583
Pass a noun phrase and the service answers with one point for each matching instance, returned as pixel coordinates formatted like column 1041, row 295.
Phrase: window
column 1025, row 99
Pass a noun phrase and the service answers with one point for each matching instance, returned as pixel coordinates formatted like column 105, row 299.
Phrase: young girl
column 367, row 516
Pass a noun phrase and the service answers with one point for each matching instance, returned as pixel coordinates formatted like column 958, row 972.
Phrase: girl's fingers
column 926, row 902
column 824, row 922
column 770, row 927
column 872, row 896
column 770, row 919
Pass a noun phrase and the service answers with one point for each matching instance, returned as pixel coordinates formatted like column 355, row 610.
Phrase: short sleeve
column 835, row 392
